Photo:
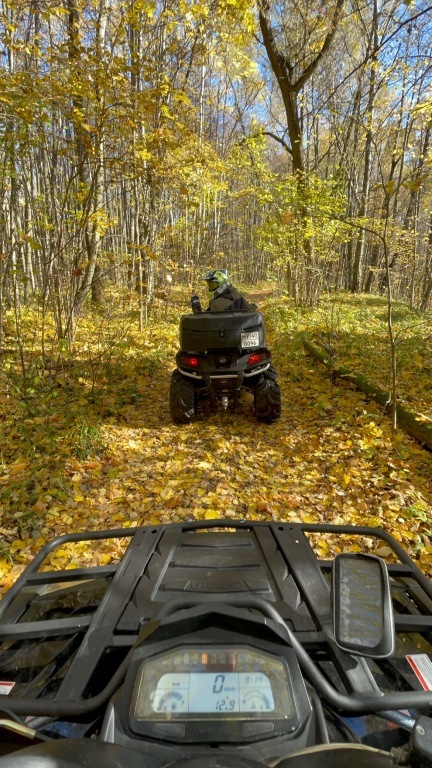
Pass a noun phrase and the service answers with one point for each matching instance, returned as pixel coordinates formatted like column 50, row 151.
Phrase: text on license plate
column 250, row 339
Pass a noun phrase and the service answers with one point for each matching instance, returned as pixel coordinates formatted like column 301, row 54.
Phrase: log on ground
column 407, row 419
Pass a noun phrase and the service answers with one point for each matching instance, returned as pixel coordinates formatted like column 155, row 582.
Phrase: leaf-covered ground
column 90, row 444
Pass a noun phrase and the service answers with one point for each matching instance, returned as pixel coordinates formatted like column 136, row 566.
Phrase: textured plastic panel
column 188, row 563
column 219, row 330
column 84, row 621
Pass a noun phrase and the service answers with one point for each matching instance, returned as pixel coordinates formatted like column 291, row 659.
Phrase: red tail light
column 254, row 359
column 192, row 361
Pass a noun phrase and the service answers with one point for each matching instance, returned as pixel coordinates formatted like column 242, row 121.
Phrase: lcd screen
column 209, row 692
column 219, row 682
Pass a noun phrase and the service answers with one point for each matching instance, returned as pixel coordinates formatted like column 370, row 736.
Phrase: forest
column 144, row 142
column 282, row 140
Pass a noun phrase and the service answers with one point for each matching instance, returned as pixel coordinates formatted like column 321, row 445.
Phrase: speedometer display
column 225, row 683
column 213, row 692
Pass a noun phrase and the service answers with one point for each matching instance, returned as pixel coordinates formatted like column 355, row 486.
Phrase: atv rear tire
column 182, row 399
column 268, row 398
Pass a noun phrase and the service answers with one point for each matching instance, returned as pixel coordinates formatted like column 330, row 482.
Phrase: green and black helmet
column 217, row 281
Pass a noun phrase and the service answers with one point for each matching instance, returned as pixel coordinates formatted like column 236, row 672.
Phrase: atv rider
column 222, row 295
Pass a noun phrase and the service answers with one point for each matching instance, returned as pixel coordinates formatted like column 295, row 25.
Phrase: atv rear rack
column 60, row 631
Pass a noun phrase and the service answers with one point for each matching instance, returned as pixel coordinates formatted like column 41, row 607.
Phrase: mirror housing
column 363, row 621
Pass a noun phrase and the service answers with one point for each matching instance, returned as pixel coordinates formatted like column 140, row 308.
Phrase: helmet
column 217, row 281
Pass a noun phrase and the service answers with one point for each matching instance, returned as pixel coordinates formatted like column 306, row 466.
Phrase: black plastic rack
column 60, row 629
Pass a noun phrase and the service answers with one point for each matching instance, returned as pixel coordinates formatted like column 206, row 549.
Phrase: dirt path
column 330, row 458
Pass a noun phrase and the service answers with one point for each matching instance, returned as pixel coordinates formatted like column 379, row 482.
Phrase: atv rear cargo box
column 222, row 330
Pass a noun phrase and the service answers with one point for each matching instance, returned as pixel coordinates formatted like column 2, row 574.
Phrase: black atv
column 221, row 354
column 219, row 644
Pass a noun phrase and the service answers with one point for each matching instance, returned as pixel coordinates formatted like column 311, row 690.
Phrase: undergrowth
column 353, row 330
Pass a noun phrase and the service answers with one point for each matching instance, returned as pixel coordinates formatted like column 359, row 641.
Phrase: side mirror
column 363, row 621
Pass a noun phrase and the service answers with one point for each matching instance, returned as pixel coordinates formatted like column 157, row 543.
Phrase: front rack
column 83, row 623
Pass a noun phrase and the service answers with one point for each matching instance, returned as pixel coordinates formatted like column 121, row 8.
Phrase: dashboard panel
column 191, row 690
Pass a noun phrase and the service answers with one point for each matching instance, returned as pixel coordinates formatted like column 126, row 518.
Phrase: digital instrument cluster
column 204, row 692
column 219, row 684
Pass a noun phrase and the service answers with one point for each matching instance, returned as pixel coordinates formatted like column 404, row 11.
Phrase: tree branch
column 280, row 64
column 310, row 69
column 277, row 138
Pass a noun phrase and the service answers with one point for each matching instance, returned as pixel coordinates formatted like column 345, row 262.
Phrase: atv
column 219, row 644
column 222, row 354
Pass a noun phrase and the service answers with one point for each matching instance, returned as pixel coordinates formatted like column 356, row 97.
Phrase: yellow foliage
column 331, row 457
column 16, row 546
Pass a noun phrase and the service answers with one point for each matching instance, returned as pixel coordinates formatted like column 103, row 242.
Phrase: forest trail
column 318, row 463
column 330, row 458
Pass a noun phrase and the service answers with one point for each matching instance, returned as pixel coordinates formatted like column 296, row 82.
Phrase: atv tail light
column 188, row 360
column 253, row 359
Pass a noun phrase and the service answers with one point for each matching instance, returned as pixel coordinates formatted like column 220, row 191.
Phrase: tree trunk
column 291, row 80
column 427, row 282
column 358, row 265
column 91, row 184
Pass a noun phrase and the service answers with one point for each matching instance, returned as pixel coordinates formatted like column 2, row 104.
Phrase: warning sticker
column 6, row 687
column 422, row 667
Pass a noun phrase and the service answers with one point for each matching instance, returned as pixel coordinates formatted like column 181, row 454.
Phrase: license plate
column 250, row 339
